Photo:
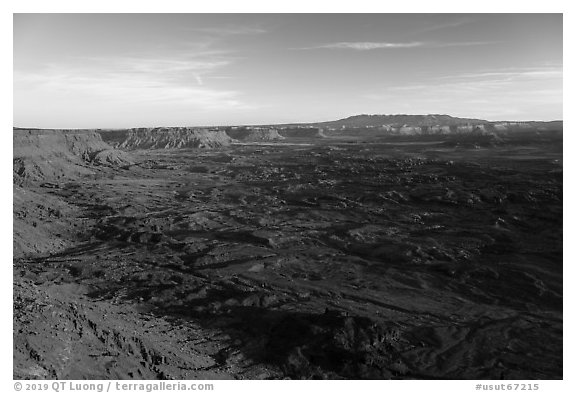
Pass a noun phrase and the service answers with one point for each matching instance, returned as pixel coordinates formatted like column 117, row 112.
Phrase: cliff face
column 54, row 154
column 310, row 132
column 254, row 135
column 168, row 138
column 41, row 222
column 477, row 129
column 34, row 142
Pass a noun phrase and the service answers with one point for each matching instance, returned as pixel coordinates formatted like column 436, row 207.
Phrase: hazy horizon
column 142, row 70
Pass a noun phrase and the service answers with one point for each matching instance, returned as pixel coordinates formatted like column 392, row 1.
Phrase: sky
column 145, row 70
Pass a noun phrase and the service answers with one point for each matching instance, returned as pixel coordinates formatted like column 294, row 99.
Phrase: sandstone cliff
column 254, row 135
column 53, row 154
column 167, row 138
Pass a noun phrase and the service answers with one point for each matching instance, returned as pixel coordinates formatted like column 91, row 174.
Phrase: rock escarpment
column 167, row 138
column 254, row 134
column 54, row 154
column 52, row 159
column 302, row 132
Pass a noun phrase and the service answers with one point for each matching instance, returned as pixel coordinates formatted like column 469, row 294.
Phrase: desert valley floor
column 293, row 260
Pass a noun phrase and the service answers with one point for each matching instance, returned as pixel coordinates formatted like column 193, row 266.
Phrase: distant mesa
column 399, row 121
column 454, row 130
column 431, row 124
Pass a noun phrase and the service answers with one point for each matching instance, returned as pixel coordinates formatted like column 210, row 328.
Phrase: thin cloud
column 443, row 26
column 508, row 79
column 175, row 69
column 366, row 46
column 513, row 74
column 469, row 43
column 229, row 30
column 133, row 80
column 497, row 94
column 119, row 89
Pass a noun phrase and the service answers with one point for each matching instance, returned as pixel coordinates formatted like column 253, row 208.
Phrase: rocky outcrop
column 44, row 159
column 468, row 129
column 41, row 222
column 302, row 132
column 254, row 134
column 53, row 154
column 168, row 138
column 34, row 142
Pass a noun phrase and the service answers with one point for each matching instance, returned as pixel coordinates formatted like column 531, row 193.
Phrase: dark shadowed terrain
column 281, row 255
